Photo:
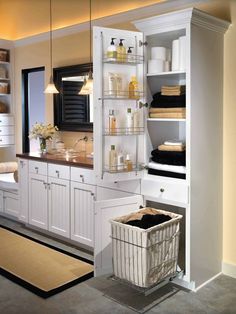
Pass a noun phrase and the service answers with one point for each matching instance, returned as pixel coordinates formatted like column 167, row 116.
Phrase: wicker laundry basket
column 145, row 257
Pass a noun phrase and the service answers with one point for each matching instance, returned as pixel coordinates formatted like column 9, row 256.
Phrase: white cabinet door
column 38, row 209
column 104, row 101
column 24, row 188
column 82, row 213
column 104, row 211
column 11, row 204
column 59, row 206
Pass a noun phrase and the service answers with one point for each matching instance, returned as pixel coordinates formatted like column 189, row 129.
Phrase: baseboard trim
column 206, row 282
column 229, row 269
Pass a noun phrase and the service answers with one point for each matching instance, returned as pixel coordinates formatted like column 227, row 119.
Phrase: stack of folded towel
column 169, row 160
column 173, row 90
column 169, row 103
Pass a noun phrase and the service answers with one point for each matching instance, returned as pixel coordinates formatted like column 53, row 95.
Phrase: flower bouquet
column 43, row 132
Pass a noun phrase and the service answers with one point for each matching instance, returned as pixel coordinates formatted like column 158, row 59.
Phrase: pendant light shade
column 87, row 87
column 51, row 88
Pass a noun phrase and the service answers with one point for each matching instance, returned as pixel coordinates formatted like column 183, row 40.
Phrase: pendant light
column 51, row 88
column 87, row 87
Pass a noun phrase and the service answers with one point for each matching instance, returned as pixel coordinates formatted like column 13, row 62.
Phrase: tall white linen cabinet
column 199, row 196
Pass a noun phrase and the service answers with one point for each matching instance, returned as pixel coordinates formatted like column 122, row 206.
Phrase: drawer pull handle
column 162, row 190
column 36, row 169
column 82, row 177
column 58, row 173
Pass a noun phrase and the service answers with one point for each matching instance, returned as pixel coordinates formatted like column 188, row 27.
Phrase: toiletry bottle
column 128, row 163
column 111, row 51
column 120, row 161
column 136, row 118
column 130, row 56
column 133, row 88
column 112, row 84
column 121, row 52
column 113, row 159
column 129, row 121
column 119, row 91
column 112, row 122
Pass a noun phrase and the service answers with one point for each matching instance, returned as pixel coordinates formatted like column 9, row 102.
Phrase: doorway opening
column 33, row 107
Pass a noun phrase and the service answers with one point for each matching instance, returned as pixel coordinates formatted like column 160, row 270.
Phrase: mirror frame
column 58, row 74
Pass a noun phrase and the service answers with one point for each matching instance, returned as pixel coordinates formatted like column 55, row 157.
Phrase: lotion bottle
column 111, row 51
column 128, row 163
column 113, row 159
column 136, row 118
column 121, row 52
column 112, row 122
column 129, row 121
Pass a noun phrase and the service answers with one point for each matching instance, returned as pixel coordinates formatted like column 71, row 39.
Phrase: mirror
column 72, row 112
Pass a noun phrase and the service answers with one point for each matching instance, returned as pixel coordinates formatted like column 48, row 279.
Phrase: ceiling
column 23, row 18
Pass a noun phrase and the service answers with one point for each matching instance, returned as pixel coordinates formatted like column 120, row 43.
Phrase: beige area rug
column 38, row 267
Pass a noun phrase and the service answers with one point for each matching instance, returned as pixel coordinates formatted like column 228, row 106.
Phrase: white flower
column 41, row 130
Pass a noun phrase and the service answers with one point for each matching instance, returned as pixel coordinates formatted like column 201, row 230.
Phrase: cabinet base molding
column 229, row 269
column 63, row 240
column 207, row 282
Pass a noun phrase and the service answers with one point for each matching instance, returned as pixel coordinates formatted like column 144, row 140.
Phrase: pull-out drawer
column 59, row 171
column 130, row 186
column 38, row 167
column 164, row 191
column 6, row 120
column 82, row 175
column 7, row 130
column 7, row 140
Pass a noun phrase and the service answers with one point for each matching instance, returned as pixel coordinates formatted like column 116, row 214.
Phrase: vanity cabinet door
column 38, row 199
column 82, row 213
column 59, row 206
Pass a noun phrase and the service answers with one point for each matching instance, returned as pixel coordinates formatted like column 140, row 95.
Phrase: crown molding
column 140, row 13
column 182, row 18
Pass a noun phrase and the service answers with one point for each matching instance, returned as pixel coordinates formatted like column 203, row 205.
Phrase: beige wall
column 229, row 147
column 75, row 49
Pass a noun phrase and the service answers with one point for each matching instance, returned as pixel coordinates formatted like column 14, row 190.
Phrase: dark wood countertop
column 82, row 162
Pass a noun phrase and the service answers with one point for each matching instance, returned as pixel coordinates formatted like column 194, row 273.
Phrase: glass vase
column 42, row 145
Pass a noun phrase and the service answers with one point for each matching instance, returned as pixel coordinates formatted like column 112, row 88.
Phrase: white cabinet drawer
column 6, row 120
column 165, row 191
column 7, row 140
column 59, row 171
column 6, row 130
column 38, row 167
column 82, row 175
column 131, row 186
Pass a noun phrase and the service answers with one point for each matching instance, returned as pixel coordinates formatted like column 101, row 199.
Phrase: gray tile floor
column 107, row 296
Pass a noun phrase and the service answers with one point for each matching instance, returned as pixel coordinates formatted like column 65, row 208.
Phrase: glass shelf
column 167, row 119
column 124, row 131
column 138, row 167
column 124, row 95
column 129, row 59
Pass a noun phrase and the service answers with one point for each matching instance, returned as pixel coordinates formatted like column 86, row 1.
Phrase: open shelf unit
column 6, row 95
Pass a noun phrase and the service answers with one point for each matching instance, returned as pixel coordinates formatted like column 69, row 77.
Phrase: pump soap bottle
column 112, row 51
column 130, row 56
column 121, row 52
